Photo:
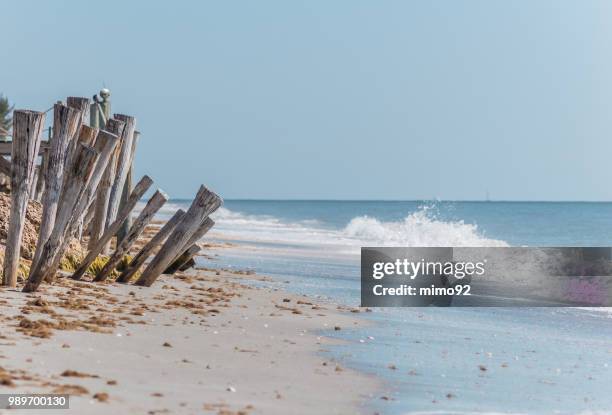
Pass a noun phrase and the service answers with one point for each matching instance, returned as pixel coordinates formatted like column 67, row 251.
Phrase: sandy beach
column 203, row 341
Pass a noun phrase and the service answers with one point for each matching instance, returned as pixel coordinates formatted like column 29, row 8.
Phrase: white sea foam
column 420, row 228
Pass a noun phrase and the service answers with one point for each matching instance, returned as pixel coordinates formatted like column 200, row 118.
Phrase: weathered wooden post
column 82, row 105
column 122, row 167
column 203, row 205
column 27, row 130
column 153, row 205
column 183, row 259
column 87, row 135
column 77, row 176
column 149, row 247
column 206, row 225
column 127, row 188
column 65, row 123
column 98, row 225
column 139, row 190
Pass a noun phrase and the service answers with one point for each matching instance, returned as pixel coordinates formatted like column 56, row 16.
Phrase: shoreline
column 203, row 340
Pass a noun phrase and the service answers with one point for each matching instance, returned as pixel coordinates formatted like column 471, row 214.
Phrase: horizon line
column 405, row 200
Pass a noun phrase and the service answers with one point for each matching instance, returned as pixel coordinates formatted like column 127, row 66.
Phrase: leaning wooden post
column 202, row 230
column 100, row 207
column 65, row 123
column 127, row 188
column 153, row 205
column 206, row 225
column 27, row 129
column 149, row 247
column 122, row 167
column 203, row 205
column 82, row 105
column 183, row 259
column 77, row 177
column 140, row 189
column 105, row 144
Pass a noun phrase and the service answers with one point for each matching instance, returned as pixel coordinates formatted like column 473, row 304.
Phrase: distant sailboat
column 488, row 198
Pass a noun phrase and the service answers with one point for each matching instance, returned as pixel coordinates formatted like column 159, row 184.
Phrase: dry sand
column 193, row 343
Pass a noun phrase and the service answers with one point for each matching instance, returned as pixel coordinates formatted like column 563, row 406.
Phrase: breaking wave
column 420, row 228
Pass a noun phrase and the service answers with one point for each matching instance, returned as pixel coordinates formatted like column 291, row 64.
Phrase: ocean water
column 457, row 360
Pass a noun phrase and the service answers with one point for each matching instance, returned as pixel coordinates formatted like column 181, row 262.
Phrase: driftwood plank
column 77, row 177
column 27, row 129
column 123, row 166
column 65, row 123
column 203, row 205
column 98, row 224
column 153, row 205
column 183, row 259
column 149, row 247
column 139, row 190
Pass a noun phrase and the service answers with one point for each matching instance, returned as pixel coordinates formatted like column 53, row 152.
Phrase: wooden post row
column 153, row 205
column 203, row 205
column 27, row 130
column 105, row 145
column 77, row 177
column 139, row 190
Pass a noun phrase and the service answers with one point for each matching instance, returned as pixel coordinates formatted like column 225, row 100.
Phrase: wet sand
column 197, row 342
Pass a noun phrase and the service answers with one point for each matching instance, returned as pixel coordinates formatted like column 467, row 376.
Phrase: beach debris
column 71, row 390
column 166, row 344
column 482, row 368
column 111, row 382
column 230, row 389
column 337, row 328
column 76, row 374
column 392, row 367
column 101, row 396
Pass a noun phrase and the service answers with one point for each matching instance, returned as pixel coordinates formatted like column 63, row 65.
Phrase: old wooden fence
column 79, row 176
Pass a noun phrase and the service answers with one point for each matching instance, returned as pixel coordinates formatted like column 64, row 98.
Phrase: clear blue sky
column 337, row 99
